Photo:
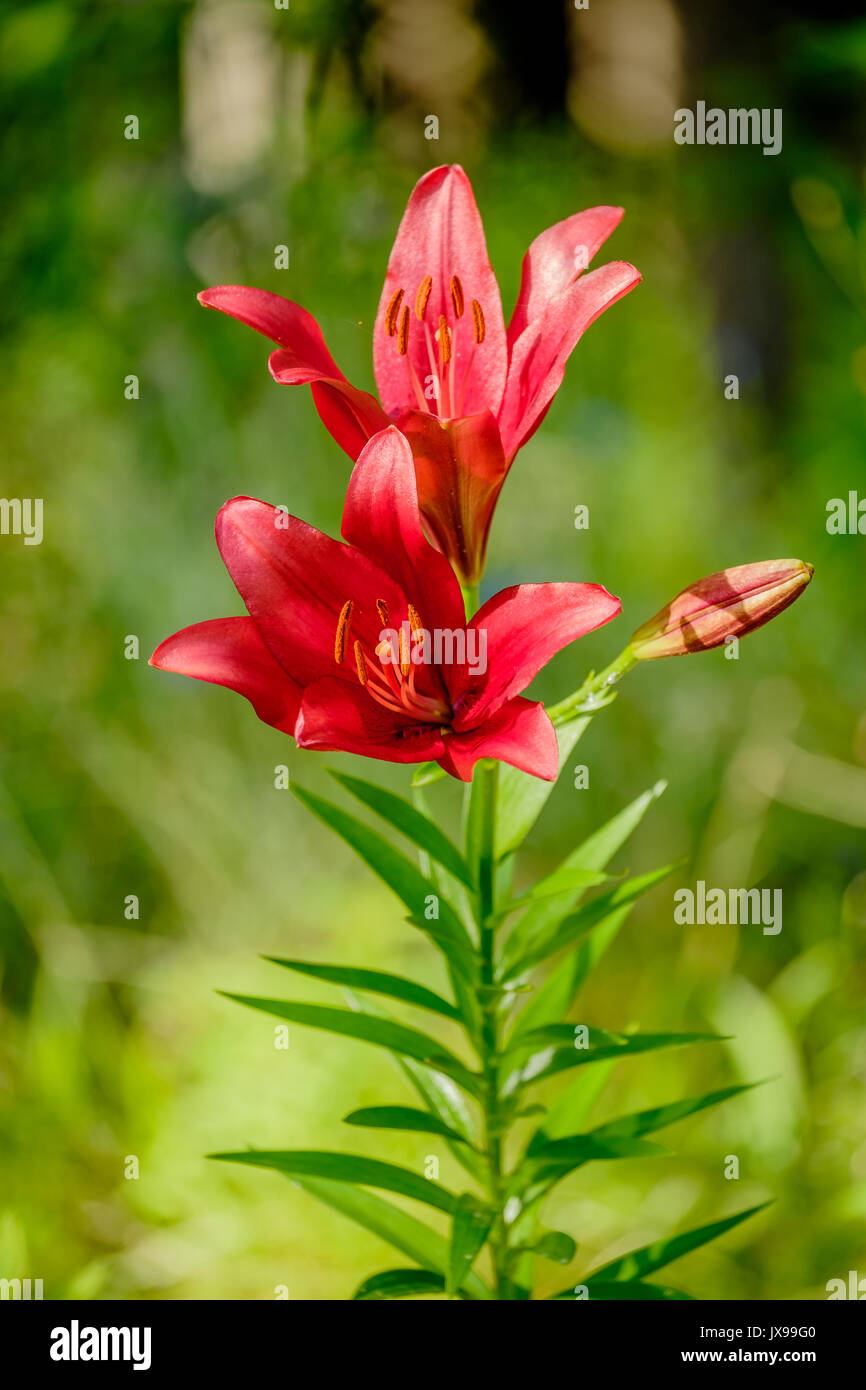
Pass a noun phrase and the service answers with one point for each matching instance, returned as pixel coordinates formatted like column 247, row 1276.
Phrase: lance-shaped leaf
column 471, row 1223
column 403, row 1117
column 552, row 1245
column 400, row 875
column 351, row 1168
column 559, row 1157
column 409, row 821
column 401, row 1283
column 638, row 1123
column 391, row 1224
column 557, row 1053
column 440, row 1094
column 633, row 1292
column 575, row 1102
column 553, row 999
column 594, row 853
column 522, row 798
column 455, row 892
column 600, row 847
column 639, row 1263
column 381, row 1032
column 647, row 1121
column 561, row 884
column 376, row 981
column 533, row 939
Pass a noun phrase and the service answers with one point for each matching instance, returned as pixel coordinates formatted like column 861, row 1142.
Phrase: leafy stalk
column 460, row 897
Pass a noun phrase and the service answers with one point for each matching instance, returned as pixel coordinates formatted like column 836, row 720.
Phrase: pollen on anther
column 360, row 663
column 383, row 611
column 422, row 296
column 444, row 336
column 342, row 631
column 403, row 332
column 414, row 619
column 392, row 311
column 457, row 295
column 477, row 322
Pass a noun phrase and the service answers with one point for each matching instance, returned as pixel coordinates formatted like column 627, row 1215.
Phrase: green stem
column 596, row 691
column 470, row 599
column 484, row 793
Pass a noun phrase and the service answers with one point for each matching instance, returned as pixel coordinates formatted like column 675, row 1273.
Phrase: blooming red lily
column 314, row 657
column 466, row 391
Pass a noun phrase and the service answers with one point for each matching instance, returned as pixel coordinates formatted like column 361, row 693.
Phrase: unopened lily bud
column 724, row 605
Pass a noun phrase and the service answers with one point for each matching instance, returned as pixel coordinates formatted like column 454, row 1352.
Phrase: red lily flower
column 466, row 392
column 315, row 658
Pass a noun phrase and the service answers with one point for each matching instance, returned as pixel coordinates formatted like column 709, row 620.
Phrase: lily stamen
column 342, row 631
column 422, row 296
column 392, row 311
column 457, row 296
column 403, row 331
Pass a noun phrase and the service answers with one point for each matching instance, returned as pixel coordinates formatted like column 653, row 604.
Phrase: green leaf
column 535, row 937
column 560, row 1056
column 442, row 1097
column 469, row 1231
column 403, row 1117
column 425, row 773
column 463, row 982
column 597, row 851
column 555, row 1246
column 522, row 798
column 377, row 981
column 647, row 1121
column 400, row 1283
column 351, row 1168
column 594, row 853
column 404, row 1232
column 410, row 822
column 603, row 1292
column 553, row 999
column 572, row 1106
column 381, row 1032
column 573, row 1110
column 400, row 875
column 562, row 883
column 558, row 1157
column 638, row 1263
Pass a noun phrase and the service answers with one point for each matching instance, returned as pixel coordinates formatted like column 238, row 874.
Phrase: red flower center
column 387, row 674
column 449, row 392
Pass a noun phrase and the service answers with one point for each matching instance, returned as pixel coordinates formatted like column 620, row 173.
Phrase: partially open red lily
column 314, row 656
column 466, row 392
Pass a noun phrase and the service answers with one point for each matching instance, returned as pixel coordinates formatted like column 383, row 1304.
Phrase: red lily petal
column 295, row 580
column 351, row 416
column 441, row 235
column 381, row 517
column 539, row 356
column 280, row 320
column 338, row 717
column 459, row 469
column 556, row 258
column 526, row 625
column 519, row 733
column 231, row 652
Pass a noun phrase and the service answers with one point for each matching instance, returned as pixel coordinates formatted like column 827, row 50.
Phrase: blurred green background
column 305, row 127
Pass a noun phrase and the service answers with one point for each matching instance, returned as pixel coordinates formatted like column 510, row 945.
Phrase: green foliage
column 540, row 1045
column 118, row 780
